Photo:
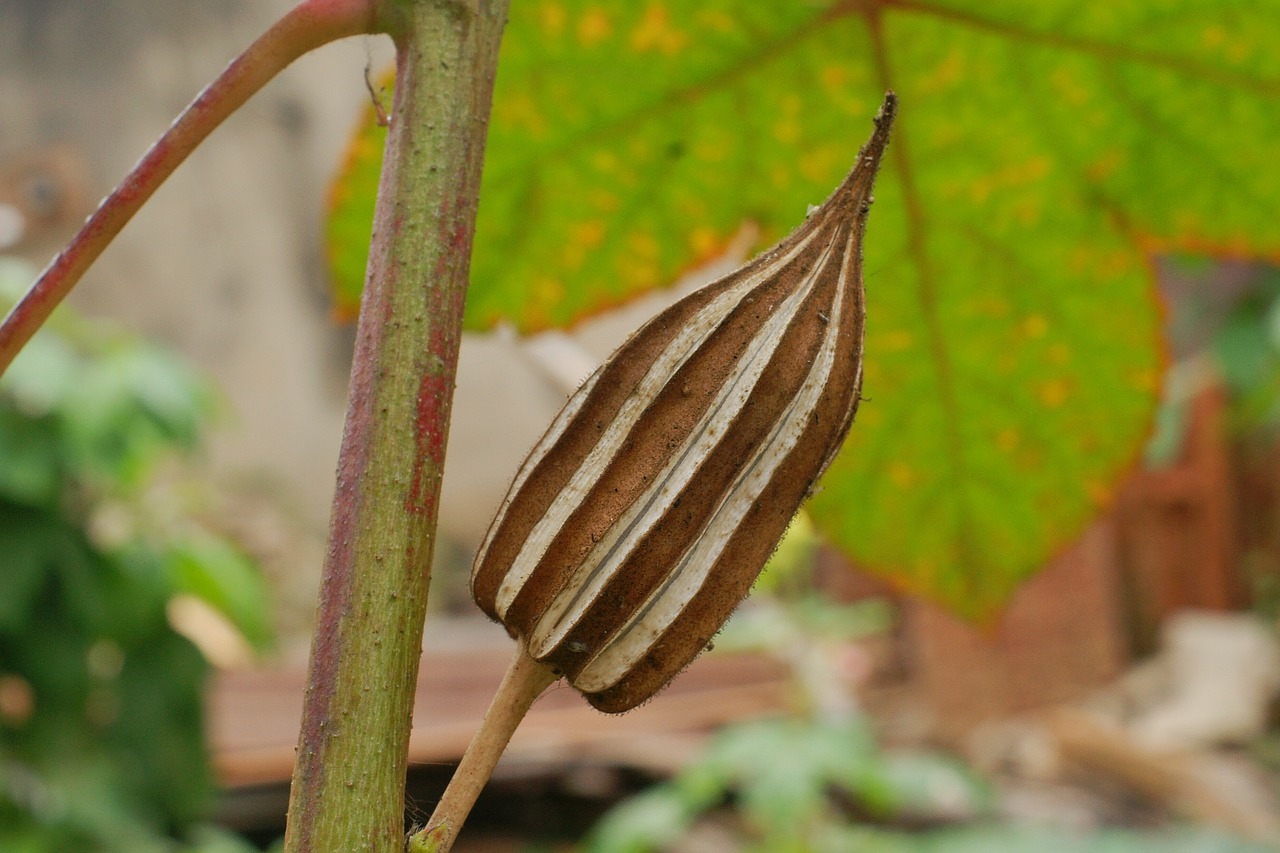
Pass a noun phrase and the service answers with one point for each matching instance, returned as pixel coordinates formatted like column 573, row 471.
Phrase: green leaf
column 109, row 753
column 929, row 787
column 645, row 823
column 33, row 546
column 31, row 461
column 213, row 839
column 1043, row 152
column 1017, row 839
column 159, row 743
column 43, row 373
column 133, row 401
column 783, row 768
column 793, row 559
column 214, row 571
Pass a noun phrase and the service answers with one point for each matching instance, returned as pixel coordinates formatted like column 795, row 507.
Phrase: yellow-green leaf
column 1045, row 151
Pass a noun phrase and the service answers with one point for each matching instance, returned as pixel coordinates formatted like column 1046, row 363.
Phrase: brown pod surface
column 646, row 512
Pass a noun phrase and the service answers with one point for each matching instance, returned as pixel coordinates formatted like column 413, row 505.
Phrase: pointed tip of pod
column 884, row 123
column 888, row 109
column 645, row 514
column 854, row 193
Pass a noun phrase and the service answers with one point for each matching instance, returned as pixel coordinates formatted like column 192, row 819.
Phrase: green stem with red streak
column 348, row 786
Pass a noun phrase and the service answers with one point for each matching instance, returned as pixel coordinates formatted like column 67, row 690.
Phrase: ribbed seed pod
column 645, row 513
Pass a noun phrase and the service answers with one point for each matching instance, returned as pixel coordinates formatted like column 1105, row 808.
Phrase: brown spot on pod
column 645, row 513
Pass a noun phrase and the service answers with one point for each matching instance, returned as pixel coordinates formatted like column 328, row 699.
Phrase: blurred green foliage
column 791, row 781
column 1225, row 331
column 1247, row 352
column 101, row 722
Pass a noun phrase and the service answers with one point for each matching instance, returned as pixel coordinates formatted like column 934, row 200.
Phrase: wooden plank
column 253, row 715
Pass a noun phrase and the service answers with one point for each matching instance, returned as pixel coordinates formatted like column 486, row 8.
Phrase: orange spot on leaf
column 705, row 243
column 594, row 27
column 901, row 475
column 1054, row 393
column 1035, row 326
column 551, row 16
column 654, row 32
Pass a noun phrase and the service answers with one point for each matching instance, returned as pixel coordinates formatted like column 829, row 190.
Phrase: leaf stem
column 524, row 682
column 308, row 25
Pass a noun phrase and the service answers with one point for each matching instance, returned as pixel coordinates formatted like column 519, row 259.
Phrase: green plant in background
column 101, row 736
column 794, row 783
column 1229, row 339
column 1246, row 350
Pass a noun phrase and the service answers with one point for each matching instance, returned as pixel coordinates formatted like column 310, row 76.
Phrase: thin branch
column 524, row 682
column 307, row 26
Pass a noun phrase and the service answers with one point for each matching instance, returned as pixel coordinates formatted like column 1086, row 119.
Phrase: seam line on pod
column 666, row 603
column 675, row 354
column 539, row 452
column 606, row 558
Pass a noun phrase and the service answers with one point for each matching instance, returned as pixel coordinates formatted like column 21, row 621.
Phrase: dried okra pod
column 645, row 513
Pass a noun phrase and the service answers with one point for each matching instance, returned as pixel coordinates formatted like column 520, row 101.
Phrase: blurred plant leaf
column 927, row 786
column 791, row 564
column 31, row 463
column 647, row 822
column 1243, row 345
column 106, row 751
column 1017, row 839
column 131, row 402
column 1247, row 351
column 1044, row 152
column 784, row 768
column 213, row 570
column 780, row 775
column 33, row 545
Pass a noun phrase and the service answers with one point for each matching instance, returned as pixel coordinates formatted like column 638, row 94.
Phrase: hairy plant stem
column 524, row 682
column 348, row 784
column 308, row 25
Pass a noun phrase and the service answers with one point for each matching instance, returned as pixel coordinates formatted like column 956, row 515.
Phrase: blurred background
column 167, row 451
